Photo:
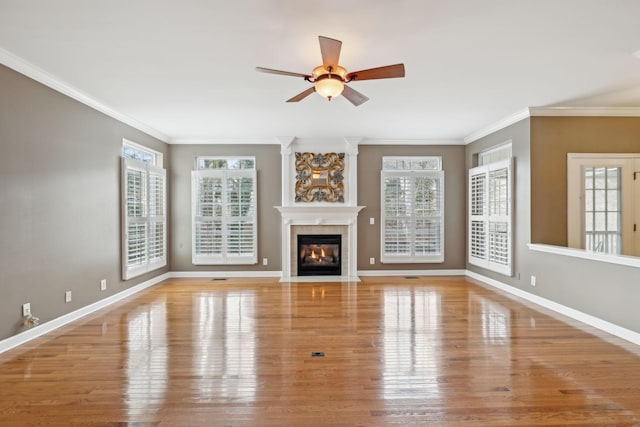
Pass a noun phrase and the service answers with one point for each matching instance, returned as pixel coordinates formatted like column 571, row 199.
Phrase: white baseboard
column 382, row 273
column 223, row 274
column 320, row 279
column 596, row 322
column 36, row 331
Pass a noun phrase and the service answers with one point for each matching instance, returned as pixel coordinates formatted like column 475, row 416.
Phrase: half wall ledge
column 584, row 254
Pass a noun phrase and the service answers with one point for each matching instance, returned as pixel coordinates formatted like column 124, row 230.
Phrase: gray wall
column 268, row 161
column 59, row 201
column 607, row 291
column 369, row 166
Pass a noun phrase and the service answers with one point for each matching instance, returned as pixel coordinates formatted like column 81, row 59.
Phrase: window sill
column 584, row 254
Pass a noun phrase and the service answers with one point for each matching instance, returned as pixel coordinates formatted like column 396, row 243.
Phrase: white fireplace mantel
column 313, row 215
column 325, row 216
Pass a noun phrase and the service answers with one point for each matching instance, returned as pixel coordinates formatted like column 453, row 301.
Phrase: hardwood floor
column 397, row 351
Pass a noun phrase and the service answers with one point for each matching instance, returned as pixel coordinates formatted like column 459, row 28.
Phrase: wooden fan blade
column 283, row 73
column 386, row 72
column 355, row 97
column 302, row 95
column 330, row 49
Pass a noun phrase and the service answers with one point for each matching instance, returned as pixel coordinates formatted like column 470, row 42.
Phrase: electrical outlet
column 103, row 284
column 533, row 280
column 265, row 261
column 372, row 221
column 67, row 296
column 372, row 260
column 26, row 309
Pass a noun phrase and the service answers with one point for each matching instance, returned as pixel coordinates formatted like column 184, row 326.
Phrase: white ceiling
column 187, row 69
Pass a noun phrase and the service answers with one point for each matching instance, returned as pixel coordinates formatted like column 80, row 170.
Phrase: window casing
column 412, row 217
column 224, row 206
column 144, row 223
column 490, row 204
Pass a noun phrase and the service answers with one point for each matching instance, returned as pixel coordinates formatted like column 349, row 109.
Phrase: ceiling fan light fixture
column 329, row 79
column 329, row 87
column 321, row 71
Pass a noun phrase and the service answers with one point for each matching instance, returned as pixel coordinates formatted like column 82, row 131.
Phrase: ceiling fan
column 329, row 78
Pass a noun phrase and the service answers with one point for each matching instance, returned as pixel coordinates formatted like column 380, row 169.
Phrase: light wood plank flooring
column 397, row 351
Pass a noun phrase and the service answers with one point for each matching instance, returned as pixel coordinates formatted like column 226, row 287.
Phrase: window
column 412, row 228
column 133, row 151
column 603, row 209
column 603, row 202
column 144, row 223
column 224, row 224
column 490, row 211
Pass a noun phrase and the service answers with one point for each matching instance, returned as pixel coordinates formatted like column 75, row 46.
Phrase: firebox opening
column 319, row 254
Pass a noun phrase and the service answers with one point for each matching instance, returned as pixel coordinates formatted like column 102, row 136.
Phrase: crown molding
column 288, row 140
column 26, row 68
column 417, row 141
column 500, row 124
column 585, row 111
column 553, row 112
column 226, row 141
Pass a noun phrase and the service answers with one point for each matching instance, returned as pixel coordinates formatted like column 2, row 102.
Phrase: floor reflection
column 411, row 339
column 224, row 340
column 488, row 348
column 495, row 320
column 147, row 358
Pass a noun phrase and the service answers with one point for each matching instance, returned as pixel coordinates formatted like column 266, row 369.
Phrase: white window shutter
column 157, row 217
column 143, row 218
column 490, row 204
column 478, row 215
column 428, row 221
column 224, row 216
column 207, row 204
column 412, row 229
column 396, row 215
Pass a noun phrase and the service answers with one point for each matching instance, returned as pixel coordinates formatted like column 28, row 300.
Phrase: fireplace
column 319, row 216
column 319, row 254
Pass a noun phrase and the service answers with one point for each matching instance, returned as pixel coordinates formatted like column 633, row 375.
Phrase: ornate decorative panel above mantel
column 319, row 177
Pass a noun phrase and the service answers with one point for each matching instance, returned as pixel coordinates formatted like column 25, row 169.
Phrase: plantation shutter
column 396, row 216
column 144, row 218
column 490, row 216
column 157, row 216
column 412, row 216
column 224, row 216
